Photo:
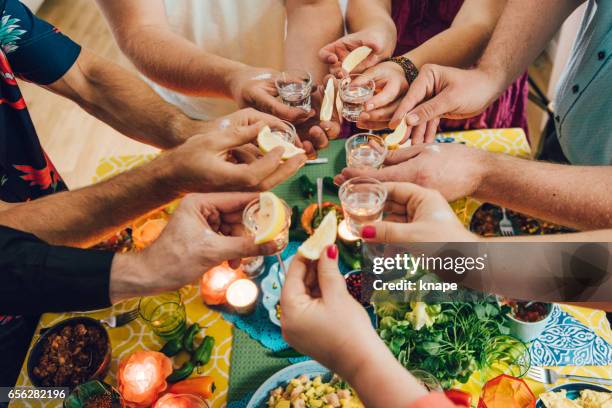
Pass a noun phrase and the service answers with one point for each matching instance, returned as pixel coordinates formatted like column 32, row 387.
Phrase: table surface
column 136, row 336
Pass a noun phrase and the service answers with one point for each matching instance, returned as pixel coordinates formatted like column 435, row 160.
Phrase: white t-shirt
column 248, row 31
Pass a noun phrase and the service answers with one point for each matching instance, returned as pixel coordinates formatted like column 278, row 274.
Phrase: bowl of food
column 575, row 395
column 527, row 320
column 307, row 384
column 70, row 353
column 94, row 394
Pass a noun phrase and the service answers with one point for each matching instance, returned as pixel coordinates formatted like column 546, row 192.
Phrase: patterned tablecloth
column 583, row 334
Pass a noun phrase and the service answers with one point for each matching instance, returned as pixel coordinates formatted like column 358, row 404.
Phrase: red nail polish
column 332, row 251
column 368, row 232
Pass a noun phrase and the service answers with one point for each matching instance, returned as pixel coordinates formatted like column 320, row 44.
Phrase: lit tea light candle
column 345, row 234
column 180, row 401
column 216, row 281
column 242, row 296
column 142, row 377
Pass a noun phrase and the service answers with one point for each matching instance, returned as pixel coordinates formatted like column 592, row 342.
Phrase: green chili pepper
column 328, row 183
column 181, row 373
column 172, row 347
column 189, row 336
column 202, row 354
column 307, row 187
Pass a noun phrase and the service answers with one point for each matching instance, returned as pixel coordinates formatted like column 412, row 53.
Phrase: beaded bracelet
column 410, row 70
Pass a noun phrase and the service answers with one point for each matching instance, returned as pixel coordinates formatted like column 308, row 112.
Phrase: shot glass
column 294, row 87
column 355, row 91
column 164, row 314
column 365, row 151
column 363, row 201
column 250, row 221
column 286, row 131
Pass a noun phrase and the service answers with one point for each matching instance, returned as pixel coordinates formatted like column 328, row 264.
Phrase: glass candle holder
column 294, row 87
column 363, row 201
column 365, row 151
column 355, row 91
column 242, row 296
column 164, row 314
column 250, row 217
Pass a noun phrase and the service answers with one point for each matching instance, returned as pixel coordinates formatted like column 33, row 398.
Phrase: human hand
column 455, row 170
column 416, row 214
column 444, row 92
column 205, row 230
column 256, row 88
column 391, row 85
column 379, row 41
column 316, row 131
column 315, row 299
column 201, row 163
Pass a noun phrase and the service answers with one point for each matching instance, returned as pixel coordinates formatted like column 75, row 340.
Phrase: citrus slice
column 339, row 106
column 268, row 140
column 327, row 108
column 355, row 58
column 393, row 140
column 323, row 237
column 270, row 219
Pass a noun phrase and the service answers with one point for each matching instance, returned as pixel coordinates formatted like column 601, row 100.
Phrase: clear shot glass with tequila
column 294, row 87
column 363, row 201
column 365, row 151
column 286, row 131
column 355, row 91
column 251, row 220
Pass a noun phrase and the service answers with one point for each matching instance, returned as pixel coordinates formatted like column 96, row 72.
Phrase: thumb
column 386, row 232
column 240, row 135
column 331, row 281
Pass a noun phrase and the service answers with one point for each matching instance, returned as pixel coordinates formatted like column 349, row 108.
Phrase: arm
column 83, row 217
column 521, row 34
column 463, row 42
column 122, row 100
column 574, row 196
column 144, row 35
column 303, row 42
column 66, row 279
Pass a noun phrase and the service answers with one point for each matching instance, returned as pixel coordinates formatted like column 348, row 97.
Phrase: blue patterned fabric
column 257, row 324
column 566, row 341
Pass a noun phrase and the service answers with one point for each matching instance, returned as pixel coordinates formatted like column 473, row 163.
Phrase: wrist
column 488, row 165
column 128, row 277
column 234, row 80
column 168, row 173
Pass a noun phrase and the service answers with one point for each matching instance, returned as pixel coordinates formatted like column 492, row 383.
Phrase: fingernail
column 412, row 119
column 332, row 251
column 368, row 232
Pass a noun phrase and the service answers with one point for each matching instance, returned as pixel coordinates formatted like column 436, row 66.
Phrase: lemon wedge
column 339, row 106
column 268, row 140
column 327, row 107
column 323, row 237
column 393, row 140
column 270, row 218
column 355, row 58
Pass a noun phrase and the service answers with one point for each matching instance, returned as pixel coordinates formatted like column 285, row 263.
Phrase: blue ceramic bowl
column 281, row 378
column 573, row 391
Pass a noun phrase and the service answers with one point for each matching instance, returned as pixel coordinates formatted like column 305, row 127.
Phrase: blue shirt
column 583, row 104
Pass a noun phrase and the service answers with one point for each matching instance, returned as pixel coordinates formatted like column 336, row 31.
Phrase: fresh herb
column 450, row 340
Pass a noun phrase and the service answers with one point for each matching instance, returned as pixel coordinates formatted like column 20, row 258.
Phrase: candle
column 214, row 283
column 345, row 234
column 180, row 401
column 142, row 377
column 242, row 296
